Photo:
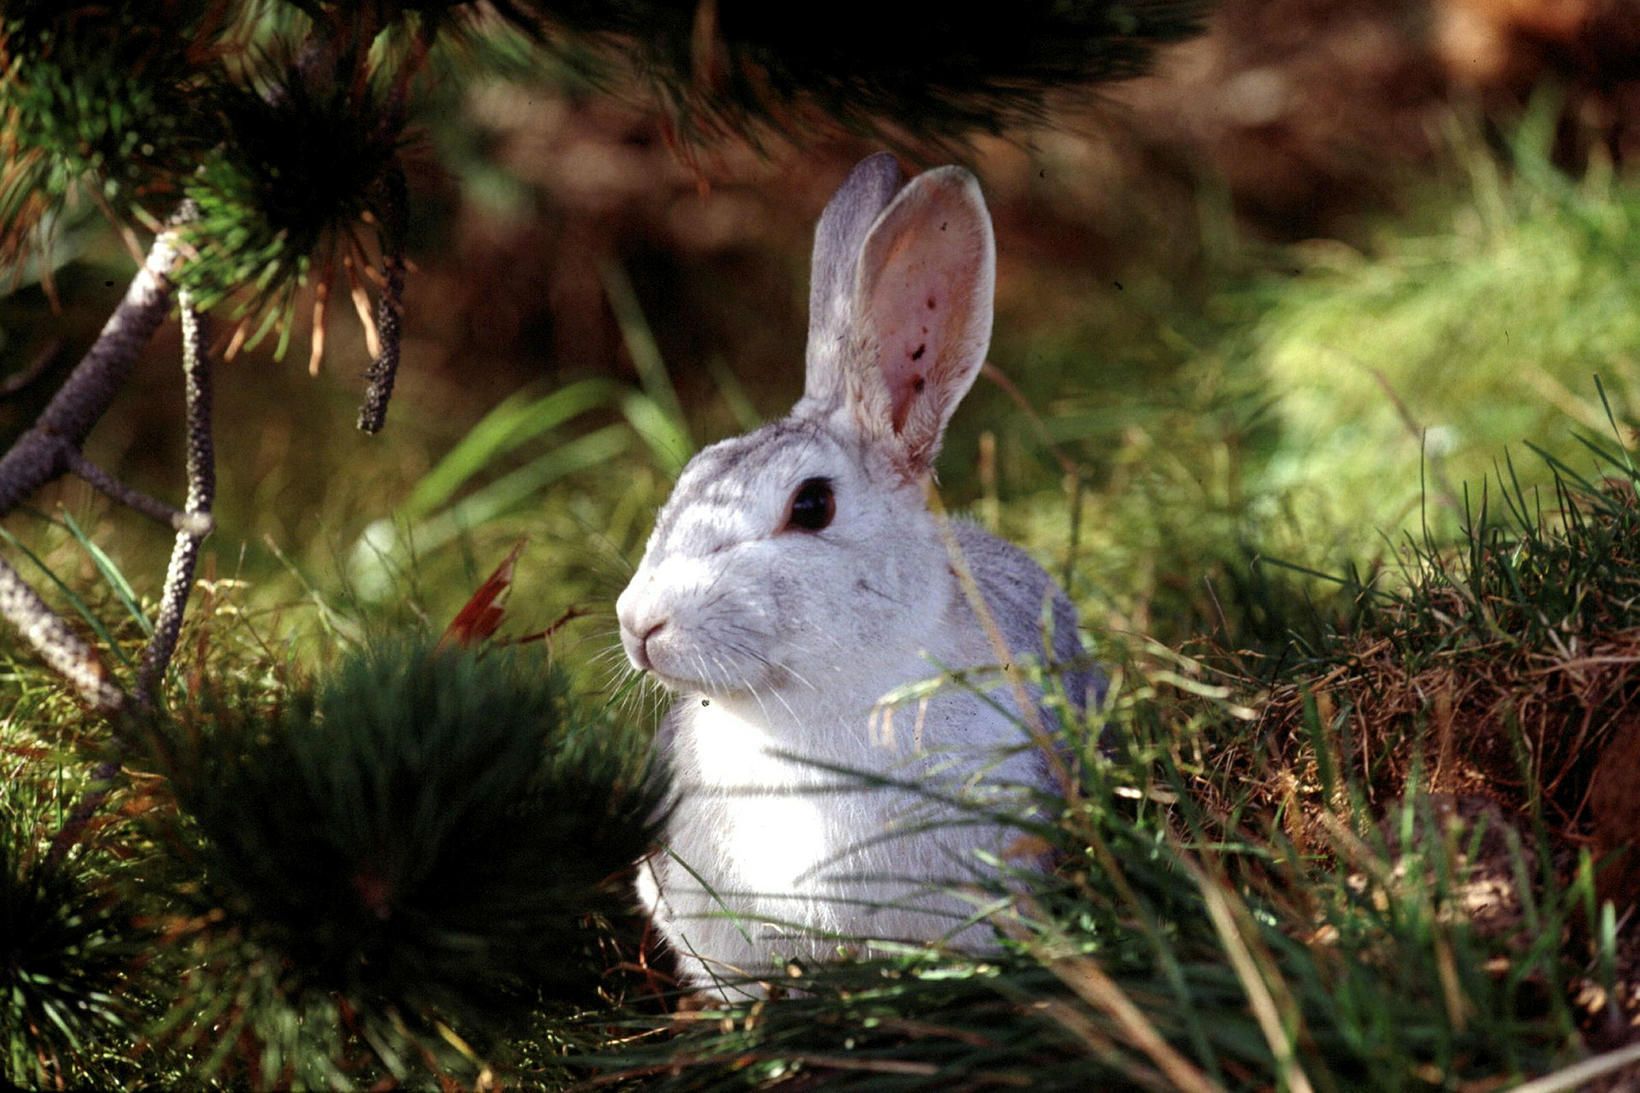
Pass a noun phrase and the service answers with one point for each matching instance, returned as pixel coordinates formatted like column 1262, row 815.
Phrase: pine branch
column 418, row 842
column 51, row 448
column 192, row 525
column 916, row 73
column 39, row 456
column 132, row 498
column 179, row 575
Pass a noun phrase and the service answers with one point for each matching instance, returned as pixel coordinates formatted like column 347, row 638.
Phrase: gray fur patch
column 725, row 475
column 1016, row 591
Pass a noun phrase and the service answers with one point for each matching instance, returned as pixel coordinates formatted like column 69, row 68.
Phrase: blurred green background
column 1293, row 297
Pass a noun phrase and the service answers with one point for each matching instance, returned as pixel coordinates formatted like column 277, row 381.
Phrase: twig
column 179, row 575
column 1578, row 1075
column 133, row 498
column 1067, row 466
column 1437, row 466
column 570, row 614
column 392, row 213
column 192, row 526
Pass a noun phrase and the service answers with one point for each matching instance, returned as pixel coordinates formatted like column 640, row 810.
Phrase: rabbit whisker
column 721, row 667
column 711, row 588
column 762, row 707
column 790, row 712
column 773, row 668
column 609, row 654
column 866, row 586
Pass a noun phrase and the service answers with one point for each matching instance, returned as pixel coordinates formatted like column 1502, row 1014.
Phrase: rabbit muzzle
column 670, row 618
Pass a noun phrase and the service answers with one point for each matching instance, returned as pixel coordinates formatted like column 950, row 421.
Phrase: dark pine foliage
column 426, row 839
column 928, row 73
column 106, row 94
column 67, row 953
column 303, row 156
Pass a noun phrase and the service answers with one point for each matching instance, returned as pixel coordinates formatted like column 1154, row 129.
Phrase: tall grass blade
column 519, row 419
column 512, row 490
column 643, row 349
column 110, row 572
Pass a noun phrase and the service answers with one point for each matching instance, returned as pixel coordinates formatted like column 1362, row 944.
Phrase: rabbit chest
column 854, row 798
column 759, row 813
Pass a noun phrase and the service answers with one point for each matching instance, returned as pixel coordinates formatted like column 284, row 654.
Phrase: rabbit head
column 801, row 557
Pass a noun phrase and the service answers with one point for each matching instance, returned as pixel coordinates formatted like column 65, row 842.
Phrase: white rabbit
column 796, row 576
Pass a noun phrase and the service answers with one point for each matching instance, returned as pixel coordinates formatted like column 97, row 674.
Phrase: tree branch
column 133, row 498
column 51, row 448
column 37, row 457
column 179, row 575
column 59, row 647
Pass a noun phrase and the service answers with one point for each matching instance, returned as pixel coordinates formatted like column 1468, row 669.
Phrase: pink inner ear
column 924, row 306
column 913, row 306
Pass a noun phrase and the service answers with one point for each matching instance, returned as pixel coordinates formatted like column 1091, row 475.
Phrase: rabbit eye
column 813, row 505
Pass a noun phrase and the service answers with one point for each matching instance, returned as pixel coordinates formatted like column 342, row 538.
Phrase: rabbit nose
column 643, row 645
column 636, row 641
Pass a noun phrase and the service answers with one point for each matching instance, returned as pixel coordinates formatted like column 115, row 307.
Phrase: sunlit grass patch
column 1400, row 372
column 1323, row 401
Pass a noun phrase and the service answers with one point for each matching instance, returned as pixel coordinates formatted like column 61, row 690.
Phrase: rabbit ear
column 842, row 231
column 922, row 312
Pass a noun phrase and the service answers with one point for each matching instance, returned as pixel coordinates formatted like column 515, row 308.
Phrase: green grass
column 1435, row 351
column 1185, row 942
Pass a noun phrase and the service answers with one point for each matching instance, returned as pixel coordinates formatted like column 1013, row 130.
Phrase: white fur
column 782, row 642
